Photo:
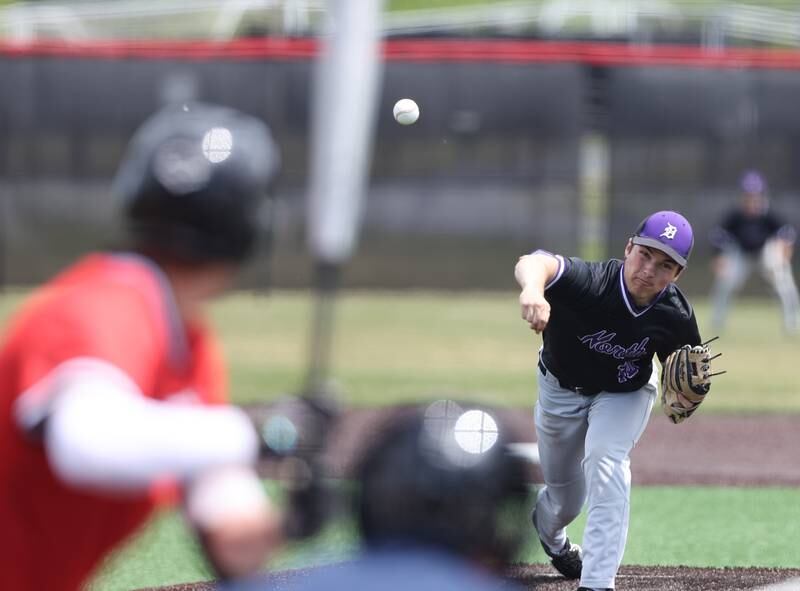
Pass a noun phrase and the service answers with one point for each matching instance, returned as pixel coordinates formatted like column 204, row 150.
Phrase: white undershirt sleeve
column 102, row 432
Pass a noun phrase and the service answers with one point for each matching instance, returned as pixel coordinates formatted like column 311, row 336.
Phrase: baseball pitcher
column 602, row 324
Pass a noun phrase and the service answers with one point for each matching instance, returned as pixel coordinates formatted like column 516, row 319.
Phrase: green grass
column 707, row 526
column 397, row 347
column 729, row 527
column 711, row 526
column 407, row 346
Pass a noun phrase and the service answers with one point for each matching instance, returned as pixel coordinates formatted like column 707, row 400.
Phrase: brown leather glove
column 685, row 381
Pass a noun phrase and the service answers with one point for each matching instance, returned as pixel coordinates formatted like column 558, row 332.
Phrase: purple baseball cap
column 667, row 231
column 753, row 182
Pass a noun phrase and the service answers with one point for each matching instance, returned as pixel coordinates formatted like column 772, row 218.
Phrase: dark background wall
column 490, row 171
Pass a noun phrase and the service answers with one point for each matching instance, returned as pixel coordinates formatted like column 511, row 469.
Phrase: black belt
column 577, row 389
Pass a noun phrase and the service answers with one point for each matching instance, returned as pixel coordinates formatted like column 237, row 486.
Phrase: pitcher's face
column 647, row 272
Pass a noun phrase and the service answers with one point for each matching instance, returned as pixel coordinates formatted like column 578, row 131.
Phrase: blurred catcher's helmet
column 420, row 485
column 193, row 181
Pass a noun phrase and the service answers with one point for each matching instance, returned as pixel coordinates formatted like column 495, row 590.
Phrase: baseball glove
column 685, row 380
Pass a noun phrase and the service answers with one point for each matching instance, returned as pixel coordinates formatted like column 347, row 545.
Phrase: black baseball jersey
column 598, row 339
column 749, row 233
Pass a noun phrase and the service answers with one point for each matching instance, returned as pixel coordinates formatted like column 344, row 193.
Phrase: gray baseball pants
column 584, row 446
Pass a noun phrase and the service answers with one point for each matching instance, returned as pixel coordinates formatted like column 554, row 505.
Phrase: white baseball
column 406, row 111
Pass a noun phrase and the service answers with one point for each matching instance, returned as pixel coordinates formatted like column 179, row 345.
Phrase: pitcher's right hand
column 535, row 309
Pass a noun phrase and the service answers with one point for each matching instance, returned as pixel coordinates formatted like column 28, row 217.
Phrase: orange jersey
column 118, row 309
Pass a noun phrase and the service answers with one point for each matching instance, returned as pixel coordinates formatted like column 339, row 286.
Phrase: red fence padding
column 419, row 50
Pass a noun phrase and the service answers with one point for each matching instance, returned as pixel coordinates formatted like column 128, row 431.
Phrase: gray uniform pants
column 584, row 446
column 737, row 268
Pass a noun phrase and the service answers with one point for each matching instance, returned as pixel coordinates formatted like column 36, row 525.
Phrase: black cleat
column 569, row 561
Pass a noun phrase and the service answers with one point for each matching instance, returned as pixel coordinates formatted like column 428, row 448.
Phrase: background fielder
column 602, row 324
column 752, row 235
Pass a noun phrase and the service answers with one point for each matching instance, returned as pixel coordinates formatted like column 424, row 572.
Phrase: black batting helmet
column 193, row 181
column 418, row 485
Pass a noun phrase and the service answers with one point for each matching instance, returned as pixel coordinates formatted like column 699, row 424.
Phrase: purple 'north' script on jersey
column 601, row 342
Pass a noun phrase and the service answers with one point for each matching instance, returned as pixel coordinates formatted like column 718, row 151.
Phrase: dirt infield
column 661, row 578
column 706, row 450
column 718, row 450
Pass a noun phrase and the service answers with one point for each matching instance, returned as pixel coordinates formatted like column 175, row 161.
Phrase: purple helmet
column 669, row 232
column 753, row 181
